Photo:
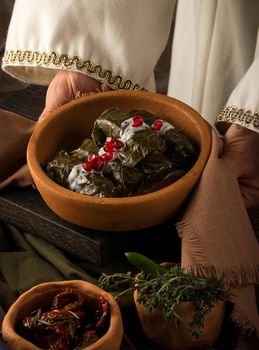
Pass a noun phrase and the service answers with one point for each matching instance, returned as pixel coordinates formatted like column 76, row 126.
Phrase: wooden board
column 25, row 209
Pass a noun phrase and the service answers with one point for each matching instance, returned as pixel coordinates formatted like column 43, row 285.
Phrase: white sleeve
column 213, row 49
column 117, row 42
column 242, row 106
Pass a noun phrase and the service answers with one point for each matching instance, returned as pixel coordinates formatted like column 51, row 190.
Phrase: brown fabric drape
column 15, row 132
column 217, row 237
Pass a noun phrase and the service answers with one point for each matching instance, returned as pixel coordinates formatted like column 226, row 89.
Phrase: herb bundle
column 164, row 289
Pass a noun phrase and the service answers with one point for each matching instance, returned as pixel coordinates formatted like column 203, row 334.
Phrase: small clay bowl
column 42, row 295
column 171, row 337
column 70, row 124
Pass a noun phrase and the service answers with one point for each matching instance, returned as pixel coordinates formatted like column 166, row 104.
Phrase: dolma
column 141, row 144
column 170, row 178
column 59, row 168
column 108, row 124
column 138, row 141
column 87, row 148
column 128, row 154
column 156, row 166
column 127, row 178
column 92, row 184
column 180, row 150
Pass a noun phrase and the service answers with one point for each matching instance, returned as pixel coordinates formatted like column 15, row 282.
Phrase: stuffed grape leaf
column 128, row 154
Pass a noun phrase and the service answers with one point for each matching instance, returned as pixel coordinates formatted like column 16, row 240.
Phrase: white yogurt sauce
column 166, row 126
column 77, row 179
column 128, row 131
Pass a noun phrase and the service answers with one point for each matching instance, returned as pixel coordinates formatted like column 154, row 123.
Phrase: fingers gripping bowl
column 68, row 126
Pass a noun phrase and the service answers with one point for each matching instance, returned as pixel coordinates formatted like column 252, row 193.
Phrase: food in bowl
column 70, row 322
column 48, row 315
column 129, row 153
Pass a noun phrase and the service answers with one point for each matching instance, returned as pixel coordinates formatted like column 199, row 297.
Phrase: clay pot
column 73, row 122
column 43, row 294
column 168, row 336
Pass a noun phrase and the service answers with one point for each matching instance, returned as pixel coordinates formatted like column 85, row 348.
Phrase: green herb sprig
column 165, row 289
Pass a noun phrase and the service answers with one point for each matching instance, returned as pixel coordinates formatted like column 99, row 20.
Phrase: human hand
column 65, row 86
column 240, row 154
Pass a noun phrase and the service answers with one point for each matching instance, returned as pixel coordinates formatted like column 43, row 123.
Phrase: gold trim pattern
column 233, row 114
column 66, row 61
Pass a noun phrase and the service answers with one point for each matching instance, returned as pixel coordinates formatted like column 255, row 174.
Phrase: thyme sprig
column 165, row 291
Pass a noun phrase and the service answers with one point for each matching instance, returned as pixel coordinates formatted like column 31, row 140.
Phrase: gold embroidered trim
column 64, row 60
column 240, row 116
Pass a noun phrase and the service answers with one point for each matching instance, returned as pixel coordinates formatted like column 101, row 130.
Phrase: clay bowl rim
column 10, row 320
column 37, row 171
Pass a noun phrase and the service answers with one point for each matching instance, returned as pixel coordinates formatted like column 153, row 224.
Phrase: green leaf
column 143, row 263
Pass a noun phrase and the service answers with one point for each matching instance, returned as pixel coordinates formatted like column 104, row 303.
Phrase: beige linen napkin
column 217, row 237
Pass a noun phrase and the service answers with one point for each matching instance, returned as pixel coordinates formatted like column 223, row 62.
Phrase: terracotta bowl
column 73, row 122
column 41, row 295
column 171, row 337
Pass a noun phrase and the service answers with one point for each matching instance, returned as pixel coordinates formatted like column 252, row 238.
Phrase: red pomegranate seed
column 88, row 166
column 111, row 139
column 118, row 144
column 107, row 156
column 93, row 158
column 98, row 166
column 157, row 125
column 136, row 121
column 109, row 147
